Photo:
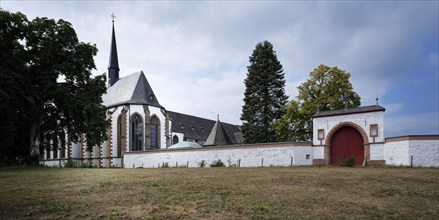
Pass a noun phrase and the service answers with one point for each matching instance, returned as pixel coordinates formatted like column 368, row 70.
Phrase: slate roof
column 131, row 89
column 217, row 136
column 114, row 61
column 113, row 64
column 197, row 128
column 362, row 109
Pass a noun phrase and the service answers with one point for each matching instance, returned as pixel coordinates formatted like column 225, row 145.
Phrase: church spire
column 113, row 66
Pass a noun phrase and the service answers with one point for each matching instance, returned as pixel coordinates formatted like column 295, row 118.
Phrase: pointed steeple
column 218, row 136
column 113, row 66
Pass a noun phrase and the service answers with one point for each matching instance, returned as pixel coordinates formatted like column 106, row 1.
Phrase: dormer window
column 151, row 97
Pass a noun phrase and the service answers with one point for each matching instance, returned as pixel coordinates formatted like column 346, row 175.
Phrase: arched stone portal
column 347, row 140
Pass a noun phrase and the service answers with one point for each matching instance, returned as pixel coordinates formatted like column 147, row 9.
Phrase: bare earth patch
column 220, row 193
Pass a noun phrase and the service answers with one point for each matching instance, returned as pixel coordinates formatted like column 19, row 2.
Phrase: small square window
column 320, row 134
column 374, row 130
column 308, row 156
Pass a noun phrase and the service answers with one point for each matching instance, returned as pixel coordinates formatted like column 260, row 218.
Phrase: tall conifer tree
column 264, row 95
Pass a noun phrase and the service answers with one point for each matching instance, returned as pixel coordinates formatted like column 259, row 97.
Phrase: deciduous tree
column 47, row 83
column 327, row 88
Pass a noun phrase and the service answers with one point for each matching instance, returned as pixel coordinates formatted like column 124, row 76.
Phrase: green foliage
column 46, row 86
column 70, row 164
column 85, row 165
column 15, row 92
column 165, row 165
column 264, row 95
column 202, row 164
column 292, row 126
column 327, row 88
column 347, row 162
column 217, row 163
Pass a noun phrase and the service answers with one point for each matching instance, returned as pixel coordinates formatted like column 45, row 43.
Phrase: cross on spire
column 113, row 16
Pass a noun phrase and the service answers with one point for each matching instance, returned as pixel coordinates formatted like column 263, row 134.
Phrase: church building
column 139, row 122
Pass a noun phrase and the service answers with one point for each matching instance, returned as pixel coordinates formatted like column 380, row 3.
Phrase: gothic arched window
column 136, row 132
column 175, row 140
column 119, row 136
column 155, row 132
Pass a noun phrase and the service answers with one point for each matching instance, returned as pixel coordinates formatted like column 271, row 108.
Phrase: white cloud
column 195, row 53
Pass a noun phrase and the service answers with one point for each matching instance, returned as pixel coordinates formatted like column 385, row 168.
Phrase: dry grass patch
column 219, row 193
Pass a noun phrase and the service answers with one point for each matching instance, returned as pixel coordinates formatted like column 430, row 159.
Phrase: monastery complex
column 145, row 134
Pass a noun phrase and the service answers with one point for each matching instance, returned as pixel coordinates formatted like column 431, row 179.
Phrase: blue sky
column 195, row 54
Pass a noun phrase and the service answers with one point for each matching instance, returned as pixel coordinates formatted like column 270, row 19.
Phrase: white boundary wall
column 396, row 151
column 276, row 154
column 423, row 149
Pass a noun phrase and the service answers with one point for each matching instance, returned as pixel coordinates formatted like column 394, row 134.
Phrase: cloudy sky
column 195, row 54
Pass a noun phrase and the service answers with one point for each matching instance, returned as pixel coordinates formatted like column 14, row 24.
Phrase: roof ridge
column 342, row 111
column 200, row 117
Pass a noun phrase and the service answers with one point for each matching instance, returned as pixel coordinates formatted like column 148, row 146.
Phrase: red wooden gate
column 347, row 142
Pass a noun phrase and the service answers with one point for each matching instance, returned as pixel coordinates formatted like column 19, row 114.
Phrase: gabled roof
column 131, row 89
column 218, row 136
column 362, row 109
column 197, row 128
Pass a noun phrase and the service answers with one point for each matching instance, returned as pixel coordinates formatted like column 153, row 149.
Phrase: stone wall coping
column 413, row 137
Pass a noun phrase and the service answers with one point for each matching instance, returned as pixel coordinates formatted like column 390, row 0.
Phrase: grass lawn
column 220, row 193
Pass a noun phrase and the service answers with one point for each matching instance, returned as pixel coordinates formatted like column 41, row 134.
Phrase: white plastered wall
column 179, row 135
column 364, row 120
column 418, row 153
column 397, row 153
column 425, row 153
column 318, row 152
column 246, row 157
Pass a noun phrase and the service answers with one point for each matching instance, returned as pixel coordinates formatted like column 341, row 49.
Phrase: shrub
column 85, row 165
column 347, row 162
column 202, row 164
column 165, row 165
column 217, row 163
column 70, row 164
